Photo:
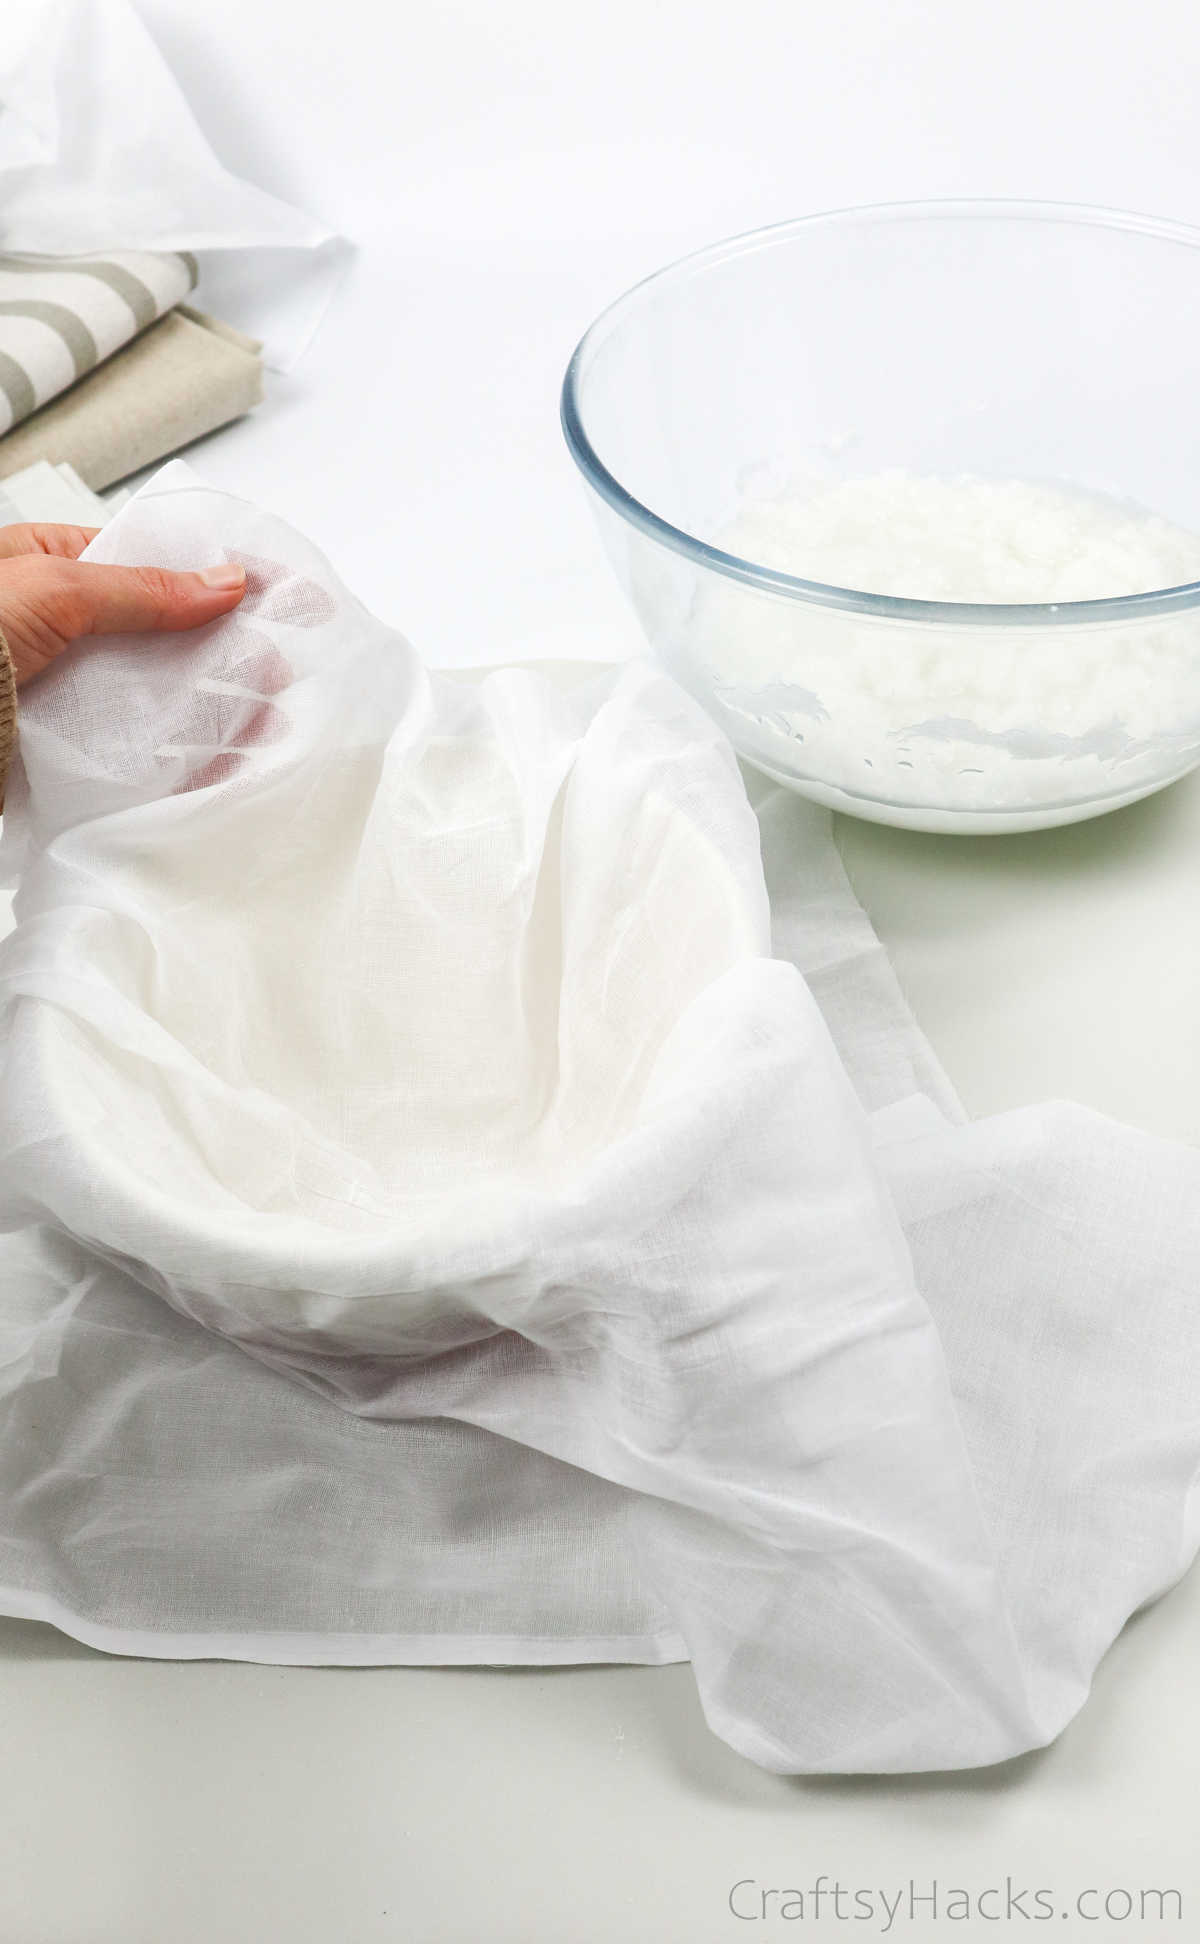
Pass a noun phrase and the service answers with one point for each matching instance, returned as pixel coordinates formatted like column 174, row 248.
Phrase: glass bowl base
column 965, row 822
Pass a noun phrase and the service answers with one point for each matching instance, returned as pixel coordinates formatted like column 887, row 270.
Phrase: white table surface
column 505, row 171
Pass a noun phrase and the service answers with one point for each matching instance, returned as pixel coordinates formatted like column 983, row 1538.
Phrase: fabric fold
column 100, row 153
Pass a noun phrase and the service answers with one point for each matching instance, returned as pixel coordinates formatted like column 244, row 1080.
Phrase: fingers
column 47, row 601
column 61, row 542
column 90, row 599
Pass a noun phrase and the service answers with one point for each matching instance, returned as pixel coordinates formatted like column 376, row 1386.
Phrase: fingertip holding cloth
column 472, row 1191
column 8, row 712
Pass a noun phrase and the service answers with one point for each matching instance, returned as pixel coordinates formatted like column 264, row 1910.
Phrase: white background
column 505, row 171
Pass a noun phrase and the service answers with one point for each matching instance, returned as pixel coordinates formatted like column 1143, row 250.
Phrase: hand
column 49, row 597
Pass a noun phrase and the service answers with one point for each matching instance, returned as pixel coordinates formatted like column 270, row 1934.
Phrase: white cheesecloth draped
column 472, row 1191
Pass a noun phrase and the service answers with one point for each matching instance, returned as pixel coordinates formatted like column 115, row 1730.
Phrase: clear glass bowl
column 1013, row 340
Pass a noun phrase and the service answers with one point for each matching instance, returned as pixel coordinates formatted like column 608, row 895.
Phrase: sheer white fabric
column 439, row 1229
column 99, row 151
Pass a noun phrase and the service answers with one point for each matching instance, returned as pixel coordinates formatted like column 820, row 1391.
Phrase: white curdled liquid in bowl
column 950, row 713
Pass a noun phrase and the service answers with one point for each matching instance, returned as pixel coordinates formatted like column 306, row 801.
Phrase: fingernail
column 222, row 577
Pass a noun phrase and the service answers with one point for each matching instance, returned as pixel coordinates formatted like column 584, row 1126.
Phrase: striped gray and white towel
column 62, row 316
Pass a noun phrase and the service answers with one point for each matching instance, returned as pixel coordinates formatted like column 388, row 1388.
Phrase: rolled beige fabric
column 184, row 376
column 8, row 712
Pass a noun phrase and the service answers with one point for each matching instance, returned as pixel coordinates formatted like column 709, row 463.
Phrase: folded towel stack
column 104, row 368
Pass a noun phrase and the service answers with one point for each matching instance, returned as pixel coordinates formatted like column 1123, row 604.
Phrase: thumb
column 45, row 603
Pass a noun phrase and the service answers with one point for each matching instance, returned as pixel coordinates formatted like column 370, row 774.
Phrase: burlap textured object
column 185, row 376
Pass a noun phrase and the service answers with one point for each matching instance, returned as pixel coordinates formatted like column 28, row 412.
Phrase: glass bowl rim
column 894, row 607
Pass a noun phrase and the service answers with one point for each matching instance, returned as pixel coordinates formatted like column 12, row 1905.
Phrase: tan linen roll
column 8, row 712
column 184, row 376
